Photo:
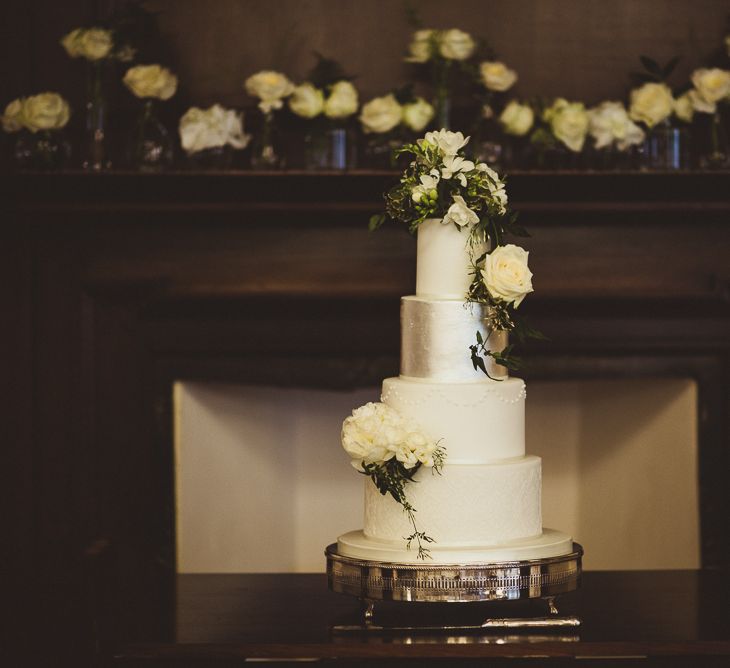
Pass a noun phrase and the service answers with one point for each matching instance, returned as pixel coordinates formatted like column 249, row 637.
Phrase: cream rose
column 421, row 47
column 712, row 84
column 651, row 103
column 70, row 42
column 497, row 76
column 209, row 128
column 153, row 81
column 517, row 119
column 447, row 142
column 417, row 115
column 89, row 43
column 455, row 44
column 306, row 101
column 12, row 119
column 460, row 214
column 381, row 114
column 569, row 123
column 270, row 87
column 47, row 111
column 610, row 124
column 506, row 274
column 342, row 100
column 683, row 107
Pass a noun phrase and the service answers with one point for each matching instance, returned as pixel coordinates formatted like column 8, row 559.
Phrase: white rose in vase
column 417, row 115
column 95, row 43
column 569, row 123
column 712, row 85
column 46, row 111
column 306, row 101
column 342, row 100
column 421, row 46
column 381, row 115
column 270, row 87
column 151, row 81
column 610, row 124
column 684, row 108
column 699, row 103
column 651, row 103
column 517, row 119
column 201, row 129
column 497, row 76
column 455, row 44
column 12, row 119
column 506, row 274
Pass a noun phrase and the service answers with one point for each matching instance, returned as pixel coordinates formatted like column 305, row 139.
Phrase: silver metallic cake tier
column 435, row 340
column 440, row 583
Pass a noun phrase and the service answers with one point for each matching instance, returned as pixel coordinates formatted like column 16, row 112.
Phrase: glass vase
column 46, row 150
column 95, row 152
column 150, row 146
column 263, row 151
column 213, row 158
column 666, row 148
column 716, row 151
column 442, row 102
column 328, row 149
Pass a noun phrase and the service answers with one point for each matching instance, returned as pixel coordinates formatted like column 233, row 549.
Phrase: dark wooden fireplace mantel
column 118, row 284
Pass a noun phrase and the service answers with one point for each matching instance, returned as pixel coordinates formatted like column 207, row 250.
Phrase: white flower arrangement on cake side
column 442, row 182
column 389, row 449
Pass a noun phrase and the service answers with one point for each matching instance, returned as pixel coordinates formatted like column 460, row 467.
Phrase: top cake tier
column 443, row 262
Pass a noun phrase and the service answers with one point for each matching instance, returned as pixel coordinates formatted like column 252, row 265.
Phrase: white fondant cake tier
column 485, row 504
column 549, row 543
column 444, row 266
column 435, row 339
column 477, row 423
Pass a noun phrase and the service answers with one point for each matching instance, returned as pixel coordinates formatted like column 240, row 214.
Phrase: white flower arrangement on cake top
column 389, row 449
column 442, row 182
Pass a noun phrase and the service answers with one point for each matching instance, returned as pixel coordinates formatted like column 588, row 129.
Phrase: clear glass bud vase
column 263, row 151
column 666, row 147
column 716, row 153
column 150, row 146
column 95, row 151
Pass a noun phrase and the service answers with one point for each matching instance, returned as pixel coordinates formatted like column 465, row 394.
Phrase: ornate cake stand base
column 373, row 581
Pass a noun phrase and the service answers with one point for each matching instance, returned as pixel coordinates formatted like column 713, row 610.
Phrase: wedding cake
column 483, row 503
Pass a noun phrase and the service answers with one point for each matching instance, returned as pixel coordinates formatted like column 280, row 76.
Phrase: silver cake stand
column 373, row 581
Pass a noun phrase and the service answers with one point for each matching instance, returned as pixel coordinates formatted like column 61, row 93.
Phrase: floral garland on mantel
column 440, row 182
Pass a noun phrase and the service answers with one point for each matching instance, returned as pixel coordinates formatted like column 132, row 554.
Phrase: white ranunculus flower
column 455, row 44
column 381, row 114
column 506, row 274
column 610, row 124
column 447, row 142
column 497, row 76
column 210, row 128
column 418, row 114
column 306, row 101
column 270, row 87
column 683, row 107
column 455, row 165
column 12, row 119
column 569, row 123
column 46, row 111
column 95, row 43
column 651, row 103
column 420, row 48
column 342, row 100
column 517, row 119
column 713, row 84
column 460, row 214
column 152, row 81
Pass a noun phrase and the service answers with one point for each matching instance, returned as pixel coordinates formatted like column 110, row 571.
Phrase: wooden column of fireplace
column 119, row 284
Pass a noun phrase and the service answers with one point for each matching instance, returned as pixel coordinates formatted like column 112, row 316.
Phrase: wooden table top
column 625, row 614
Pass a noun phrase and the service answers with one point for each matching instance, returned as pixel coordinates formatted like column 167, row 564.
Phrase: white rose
column 421, row 46
column 306, row 101
column 651, row 103
column 209, row 128
column 684, row 108
column 47, row 111
column 455, row 44
column 270, row 87
column 506, row 275
column 497, row 76
column 151, row 81
column 447, row 142
column 712, row 84
column 71, row 43
column 95, row 43
column 381, row 114
column 12, row 119
column 418, row 114
column 569, row 123
column 342, row 100
column 699, row 103
column 516, row 118
column 460, row 214
column 610, row 124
